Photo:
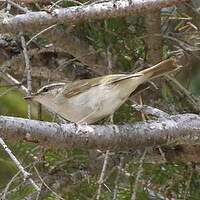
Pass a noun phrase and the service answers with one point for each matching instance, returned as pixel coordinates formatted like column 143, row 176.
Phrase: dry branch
column 80, row 49
column 75, row 14
column 183, row 128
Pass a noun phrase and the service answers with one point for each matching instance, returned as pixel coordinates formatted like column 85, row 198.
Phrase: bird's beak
column 29, row 98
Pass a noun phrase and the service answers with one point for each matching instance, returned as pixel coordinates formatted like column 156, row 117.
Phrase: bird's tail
column 161, row 68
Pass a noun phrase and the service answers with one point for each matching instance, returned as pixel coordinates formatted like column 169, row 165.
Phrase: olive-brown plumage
column 90, row 100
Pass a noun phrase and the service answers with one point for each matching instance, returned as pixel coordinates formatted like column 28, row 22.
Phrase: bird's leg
column 60, row 120
column 111, row 118
column 111, row 122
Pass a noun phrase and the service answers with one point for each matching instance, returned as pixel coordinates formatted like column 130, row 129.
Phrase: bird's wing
column 76, row 87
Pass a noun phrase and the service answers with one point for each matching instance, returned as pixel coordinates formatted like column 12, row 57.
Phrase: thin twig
column 95, row 2
column 25, row 10
column 59, row 1
column 151, row 192
column 143, row 115
column 185, row 196
column 18, row 164
column 192, row 100
column 150, row 110
column 15, row 189
column 10, row 79
column 109, row 60
column 55, row 4
column 7, row 91
column 8, row 7
column 41, row 32
column 162, row 153
column 6, row 192
column 139, row 173
column 73, row 59
column 3, row 197
column 101, row 179
column 28, row 72
column 117, row 178
column 54, row 193
column 7, row 13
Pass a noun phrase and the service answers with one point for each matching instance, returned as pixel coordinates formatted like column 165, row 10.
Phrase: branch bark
column 183, row 128
column 75, row 14
column 153, row 40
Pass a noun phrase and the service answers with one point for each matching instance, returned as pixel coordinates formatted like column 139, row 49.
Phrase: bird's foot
column 83, row 128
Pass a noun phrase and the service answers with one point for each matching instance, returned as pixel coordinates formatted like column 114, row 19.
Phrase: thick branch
column 35, row 20
column 184, row 128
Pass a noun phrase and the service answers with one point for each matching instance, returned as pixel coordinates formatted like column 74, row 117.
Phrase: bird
column 90, row 100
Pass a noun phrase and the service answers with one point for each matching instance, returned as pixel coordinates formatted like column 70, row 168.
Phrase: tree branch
column 184, row 128
column 75, row 14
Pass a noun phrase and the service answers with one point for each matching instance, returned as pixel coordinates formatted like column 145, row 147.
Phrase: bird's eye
column 45, row 90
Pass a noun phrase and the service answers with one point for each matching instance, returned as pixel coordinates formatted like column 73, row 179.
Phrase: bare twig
column 139, row 173
column 7, row 91
column 59, row 1
column 54, row 193
column 6, row 192
column 162, row 154
column 117, row 178
column 10, row 79
column 143, row 115
column 41, row 32
column 109, row 60
column 185, row 196
column 17, row 6
column 101, row 179
column 194, row 101
column 3, row 197
column 18, row 164
column 150, row 110
column 7, row 13
column 28, row 71
column 152, row 194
